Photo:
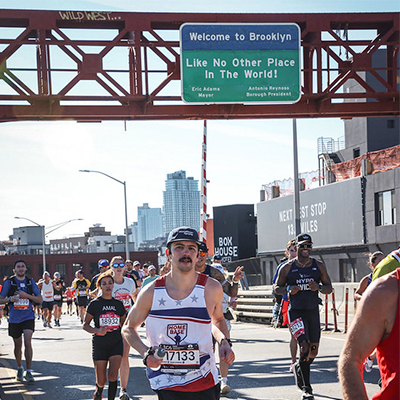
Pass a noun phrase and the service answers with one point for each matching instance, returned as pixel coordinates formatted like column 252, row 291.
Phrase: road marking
column 17, row 385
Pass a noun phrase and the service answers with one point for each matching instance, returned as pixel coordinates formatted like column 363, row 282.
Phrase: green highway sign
column 240, row 63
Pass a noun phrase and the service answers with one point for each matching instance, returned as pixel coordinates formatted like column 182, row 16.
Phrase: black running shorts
column 104, row 349
column 48, row 304
column 16, row 330
column 311, row 323
column 82, row 301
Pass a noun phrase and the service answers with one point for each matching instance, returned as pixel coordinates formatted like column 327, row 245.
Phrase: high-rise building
column 133, row 235
column 181, row 202
column 149, row 223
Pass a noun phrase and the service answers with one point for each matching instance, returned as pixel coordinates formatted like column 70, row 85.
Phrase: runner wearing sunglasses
column 302, row 278
column 125, row 291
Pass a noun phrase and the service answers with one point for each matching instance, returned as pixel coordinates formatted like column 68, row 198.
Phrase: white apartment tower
column 181, row 202
column 149, row 223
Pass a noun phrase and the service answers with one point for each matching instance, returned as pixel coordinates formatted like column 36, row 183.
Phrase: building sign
column 331, row 214
column 227, row 248
column 234, row 232
column 240, row 63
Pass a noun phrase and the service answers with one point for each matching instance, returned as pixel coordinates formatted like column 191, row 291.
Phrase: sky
column 40, row 161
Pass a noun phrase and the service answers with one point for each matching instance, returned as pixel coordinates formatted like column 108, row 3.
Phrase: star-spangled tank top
column 183, row 328
column 388, row 358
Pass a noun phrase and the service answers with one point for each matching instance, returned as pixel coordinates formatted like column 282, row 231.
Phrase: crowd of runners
column 186, row 311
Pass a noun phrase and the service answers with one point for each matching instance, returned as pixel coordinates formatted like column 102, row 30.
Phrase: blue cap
column 103, row 264
column 183, row 233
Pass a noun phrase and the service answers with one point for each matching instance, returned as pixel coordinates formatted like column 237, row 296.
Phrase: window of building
column 62, row 269
column 346, row 271
column 6, row 271
column 76, row 267
column 385, row 208
column 390, row 123
column 94, row 269
column 356, row 152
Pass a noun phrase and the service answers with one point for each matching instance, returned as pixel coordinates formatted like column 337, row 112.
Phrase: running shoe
column 307, row 396
column 20, row 374
column 97, row 396
column 44, row 324
column 29, row 377
column 48, row 325
column 368, row 363
column 298, row 376
column 225, row 389
column 123, row 395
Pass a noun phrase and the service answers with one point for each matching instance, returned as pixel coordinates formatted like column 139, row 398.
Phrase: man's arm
column 214, row 296
column 137, row 315
column 4, row 292
column 280, row 286
column 372, row 324
column 326, row 286
column 231, row 287
column 361, row 288
column 325, row 279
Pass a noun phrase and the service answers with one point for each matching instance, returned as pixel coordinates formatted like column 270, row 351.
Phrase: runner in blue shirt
column 19, row 292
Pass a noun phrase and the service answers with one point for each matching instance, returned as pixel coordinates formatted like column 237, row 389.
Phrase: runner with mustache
column 183, row 311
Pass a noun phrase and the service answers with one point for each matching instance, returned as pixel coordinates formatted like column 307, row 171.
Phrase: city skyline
column 40, row 160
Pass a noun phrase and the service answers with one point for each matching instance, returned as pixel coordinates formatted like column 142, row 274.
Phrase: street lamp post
column 126, row 206
column 44, row 234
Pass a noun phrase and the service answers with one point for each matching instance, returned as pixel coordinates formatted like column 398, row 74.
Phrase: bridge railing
column 256, row 304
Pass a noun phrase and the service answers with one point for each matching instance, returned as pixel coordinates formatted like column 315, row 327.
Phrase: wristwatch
column 148, row 353
column 228, row 340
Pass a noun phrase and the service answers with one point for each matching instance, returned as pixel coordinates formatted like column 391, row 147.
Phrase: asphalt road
column 63, row 366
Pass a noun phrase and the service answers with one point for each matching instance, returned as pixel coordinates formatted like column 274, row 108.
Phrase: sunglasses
column 202, row 253
column 305, row 246
column 116, row 265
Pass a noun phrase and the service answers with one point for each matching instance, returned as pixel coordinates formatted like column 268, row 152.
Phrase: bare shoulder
column 364, row 281
column 378, row 304
column 213, row 290
column 212, row 284
column 286, row 267
column 320, row 264
column 384, row 290
column 146, row 293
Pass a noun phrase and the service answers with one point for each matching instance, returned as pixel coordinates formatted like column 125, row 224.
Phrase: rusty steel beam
column 93, row 66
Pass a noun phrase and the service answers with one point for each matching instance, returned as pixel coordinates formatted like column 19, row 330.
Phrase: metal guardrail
column 255, row 305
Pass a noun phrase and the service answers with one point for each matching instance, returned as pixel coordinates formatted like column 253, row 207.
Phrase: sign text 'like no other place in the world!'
column 240, row 63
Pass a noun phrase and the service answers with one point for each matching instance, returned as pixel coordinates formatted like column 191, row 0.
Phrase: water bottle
column 159, row 354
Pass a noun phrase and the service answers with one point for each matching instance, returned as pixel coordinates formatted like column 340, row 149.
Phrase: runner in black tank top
column 302, row 278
